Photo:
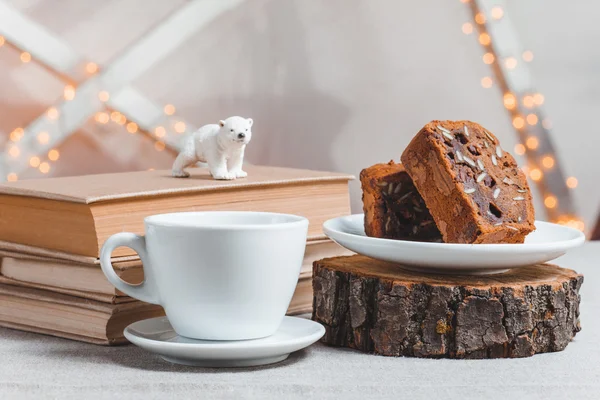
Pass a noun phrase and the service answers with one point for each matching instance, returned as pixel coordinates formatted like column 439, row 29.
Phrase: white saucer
column 157, row 335
column 546, row 243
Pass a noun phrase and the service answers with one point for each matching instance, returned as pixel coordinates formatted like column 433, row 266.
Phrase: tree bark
column 377, row 307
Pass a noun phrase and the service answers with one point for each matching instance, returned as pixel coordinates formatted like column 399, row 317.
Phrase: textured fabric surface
column 37, row 366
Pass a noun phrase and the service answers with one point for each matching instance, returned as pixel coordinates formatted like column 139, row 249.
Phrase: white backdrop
column 336, row 85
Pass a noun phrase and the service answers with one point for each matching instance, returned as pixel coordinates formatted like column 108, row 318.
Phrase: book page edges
column 49, row 297
column 22, row 251
column 101, row 297
column 65, row 335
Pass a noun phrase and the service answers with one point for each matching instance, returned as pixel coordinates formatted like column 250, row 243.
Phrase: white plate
column 546, row 243
column 157, row 335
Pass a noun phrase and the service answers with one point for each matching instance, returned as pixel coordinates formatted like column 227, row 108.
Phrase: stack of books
column 52, row 230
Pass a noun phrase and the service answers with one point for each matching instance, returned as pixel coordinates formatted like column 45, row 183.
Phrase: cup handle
column 143, row 291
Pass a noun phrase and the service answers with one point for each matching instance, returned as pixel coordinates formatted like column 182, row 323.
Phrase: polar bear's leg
column 235, row 164
column 217, row 164
column 183, row 160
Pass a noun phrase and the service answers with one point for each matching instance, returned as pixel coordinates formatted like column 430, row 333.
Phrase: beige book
column 75, row 318
column 75, row 215
column 88, row 280
column 103, row 297
column 317, row 251
column 303, row 298
column 68, row 316
column 58, row 274
column 65, row 335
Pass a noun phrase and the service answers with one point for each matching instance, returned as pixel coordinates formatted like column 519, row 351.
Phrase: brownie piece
column 393, row 207
column 473, row 188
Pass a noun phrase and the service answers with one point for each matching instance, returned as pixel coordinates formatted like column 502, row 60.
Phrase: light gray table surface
column 37, row 366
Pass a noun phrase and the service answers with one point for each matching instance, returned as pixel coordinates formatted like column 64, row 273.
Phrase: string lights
column 102, row 117
column 53, row 155
column 34, row 161
column 132, row 127
column 179, row 127
column 169, row 109
column 69, row 92
column 14, row 151
column 160, row 131
column 52, row 113
column 103, row 96
column 25, row 57
column 527, row 56
column 91, row 68
column 44, row 167
column 16, row 135
column 498, row 38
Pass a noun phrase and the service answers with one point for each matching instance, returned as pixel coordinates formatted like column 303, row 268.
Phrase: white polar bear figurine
column 220, row 145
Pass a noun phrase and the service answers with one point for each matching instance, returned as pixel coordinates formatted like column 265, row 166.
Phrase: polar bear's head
column 236, row 129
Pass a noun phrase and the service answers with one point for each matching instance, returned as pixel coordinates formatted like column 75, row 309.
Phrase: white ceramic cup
column 218, row 275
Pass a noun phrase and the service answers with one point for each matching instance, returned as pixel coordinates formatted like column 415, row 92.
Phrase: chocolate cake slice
column 393, row 207
column 473, row 187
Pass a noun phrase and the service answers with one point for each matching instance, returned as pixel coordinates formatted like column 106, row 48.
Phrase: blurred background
column 104, row 86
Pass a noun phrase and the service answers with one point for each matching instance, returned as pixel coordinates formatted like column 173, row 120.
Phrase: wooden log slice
column 377, row 307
